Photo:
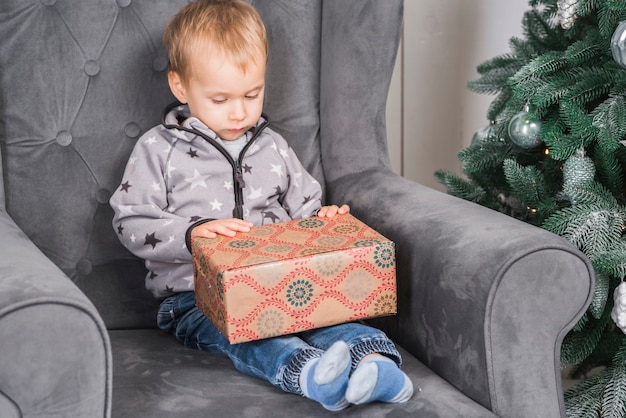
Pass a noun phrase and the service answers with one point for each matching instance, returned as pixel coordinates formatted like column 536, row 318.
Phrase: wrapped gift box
column 294, row 276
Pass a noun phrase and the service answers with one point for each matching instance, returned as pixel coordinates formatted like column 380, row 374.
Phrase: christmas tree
column 553, row 154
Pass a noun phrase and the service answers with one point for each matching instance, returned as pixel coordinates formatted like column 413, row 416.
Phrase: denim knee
column 172, row 308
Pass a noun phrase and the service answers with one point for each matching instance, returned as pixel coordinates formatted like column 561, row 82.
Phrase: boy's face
column 219, row 93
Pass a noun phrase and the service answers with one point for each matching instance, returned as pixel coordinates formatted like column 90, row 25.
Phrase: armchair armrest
column 483, row 299
column 56, row 357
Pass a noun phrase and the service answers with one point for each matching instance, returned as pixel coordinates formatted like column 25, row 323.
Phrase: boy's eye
column 218, row 101
column 252, row 96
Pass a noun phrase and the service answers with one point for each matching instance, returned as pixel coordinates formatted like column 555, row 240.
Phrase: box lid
column 288, row 240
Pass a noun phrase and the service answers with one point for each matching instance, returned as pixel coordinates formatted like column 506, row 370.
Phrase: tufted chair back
column 80, row 81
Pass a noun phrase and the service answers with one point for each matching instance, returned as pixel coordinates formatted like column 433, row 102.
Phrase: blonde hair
column 230, row 27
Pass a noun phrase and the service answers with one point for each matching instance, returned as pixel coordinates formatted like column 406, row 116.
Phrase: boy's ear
column 177, row 86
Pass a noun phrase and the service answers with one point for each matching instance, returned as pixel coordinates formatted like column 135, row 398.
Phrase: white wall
column 431, row 114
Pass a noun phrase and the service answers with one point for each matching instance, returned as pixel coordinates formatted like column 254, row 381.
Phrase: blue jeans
column 279, row 360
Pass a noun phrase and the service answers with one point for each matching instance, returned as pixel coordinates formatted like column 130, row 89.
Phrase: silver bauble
column 578, row 171
column 525, row 131
column 618, row 44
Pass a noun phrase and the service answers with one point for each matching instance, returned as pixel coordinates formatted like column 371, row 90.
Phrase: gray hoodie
column 179, row 176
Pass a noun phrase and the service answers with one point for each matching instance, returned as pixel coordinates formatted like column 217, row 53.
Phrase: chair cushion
column 155, row 376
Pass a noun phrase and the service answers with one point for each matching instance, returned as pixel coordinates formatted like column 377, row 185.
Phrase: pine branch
column 551, row 90
column 526, row 182
column 610, row 118
column 604, row 353
column 600, row 295
column 493, row 182
column 580, row 123
column 587, row 7
column 498, row 105
column 590, row 227
column 545, row 64
column 553, row 133
column 590, row 50
column 614, row 395
column 584, row 399
column 540, row 32
column 593, row 83
column 492, row 82
column 483, row 156
column 577, row 346
column 595, row 195
column 501, row 61
column 523, row 49
column 460, row 187
column 609, row 17
column 608, row 168
column 617, row 5
column 552, row 173
column 612, row 261
column 562, row 146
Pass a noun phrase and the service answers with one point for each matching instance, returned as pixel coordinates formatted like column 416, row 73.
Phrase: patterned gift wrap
column 294, row 276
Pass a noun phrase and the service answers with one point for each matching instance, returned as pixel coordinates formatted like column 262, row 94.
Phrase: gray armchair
column 484, row 300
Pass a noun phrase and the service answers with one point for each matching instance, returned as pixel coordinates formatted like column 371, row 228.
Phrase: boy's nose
column 238, row 110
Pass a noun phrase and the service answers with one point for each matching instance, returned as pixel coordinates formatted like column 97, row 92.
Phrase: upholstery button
column 123, row 3
column 132, row 130
column 160, row 62
column 84, row 267
column 91, row 68
column 48, row 2
column 103, row 196
column 64, row 138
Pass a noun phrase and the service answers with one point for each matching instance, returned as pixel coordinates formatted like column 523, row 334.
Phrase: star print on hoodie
column 178, row 175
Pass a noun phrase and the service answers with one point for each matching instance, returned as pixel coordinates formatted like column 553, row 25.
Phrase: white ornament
column 618, row 314
column 567, row 12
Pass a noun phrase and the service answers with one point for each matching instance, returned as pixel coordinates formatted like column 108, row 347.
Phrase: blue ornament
column 524, row 130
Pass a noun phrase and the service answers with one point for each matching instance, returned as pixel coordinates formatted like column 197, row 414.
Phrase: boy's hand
column 330, row 211
column 226, row 227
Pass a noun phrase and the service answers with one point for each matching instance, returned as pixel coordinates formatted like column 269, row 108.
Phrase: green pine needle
column 528, row 181
column 545, row 64
column 460, row 187
column 595, row 195
column 579, row 345
column 498, row 105
column 608, row 168
column 483, row 156
column 575, row 116
column 592, row 84
column 614, row 395
column 612, row 261
column 587, row 51
column 610, row 118
column 588, row 226
column 600, row 295
column 584, row 400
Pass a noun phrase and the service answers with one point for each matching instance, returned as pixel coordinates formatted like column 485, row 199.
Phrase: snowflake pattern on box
column 358, row 285
column 294, row 276
column 269, row 323
column 328, row 266
column 299, row 293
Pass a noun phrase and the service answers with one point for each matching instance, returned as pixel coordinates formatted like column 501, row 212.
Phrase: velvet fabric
column 484, row 300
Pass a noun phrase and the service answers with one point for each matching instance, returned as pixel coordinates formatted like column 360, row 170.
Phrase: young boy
column 214, row 167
